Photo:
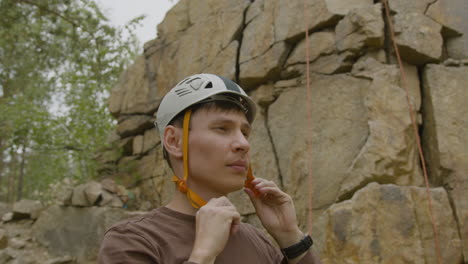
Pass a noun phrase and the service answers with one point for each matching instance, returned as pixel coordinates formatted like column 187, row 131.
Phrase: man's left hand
column 276, row 211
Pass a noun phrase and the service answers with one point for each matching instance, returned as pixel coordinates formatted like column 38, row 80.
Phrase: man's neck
column 180, row 203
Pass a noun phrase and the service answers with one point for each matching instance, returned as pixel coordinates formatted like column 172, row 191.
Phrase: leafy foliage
column 58, row 62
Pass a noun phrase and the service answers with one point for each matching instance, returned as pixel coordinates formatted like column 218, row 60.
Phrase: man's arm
column 276, row 211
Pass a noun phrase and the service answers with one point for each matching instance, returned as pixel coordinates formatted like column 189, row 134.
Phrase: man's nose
column 241, row 143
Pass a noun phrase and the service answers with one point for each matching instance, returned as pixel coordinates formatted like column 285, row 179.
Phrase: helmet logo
column 195, row 83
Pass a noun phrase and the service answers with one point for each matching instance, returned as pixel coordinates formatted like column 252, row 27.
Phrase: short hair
column 222, row 106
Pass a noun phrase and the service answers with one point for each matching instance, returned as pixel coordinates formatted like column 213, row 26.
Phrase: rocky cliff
column 368, row 202
column 368, row 195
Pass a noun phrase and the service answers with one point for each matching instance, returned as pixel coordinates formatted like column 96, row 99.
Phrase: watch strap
column 298, row 249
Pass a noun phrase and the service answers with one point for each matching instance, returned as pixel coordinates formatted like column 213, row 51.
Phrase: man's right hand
column 214, row 223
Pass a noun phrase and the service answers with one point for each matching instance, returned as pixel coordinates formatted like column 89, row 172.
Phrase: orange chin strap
column 195, row 200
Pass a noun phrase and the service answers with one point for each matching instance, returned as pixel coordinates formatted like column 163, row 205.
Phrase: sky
column 122, row 11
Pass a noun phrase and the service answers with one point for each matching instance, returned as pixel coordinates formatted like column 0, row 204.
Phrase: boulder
column 343, row 7
column 61, row 260
column 451, row 15
column 156, row 187
column 444, row 136
column 361, row 27
column 27, row 209
column 333, row 63
column 64, row 196
column 107, row 198
column 79, row 197
column 4, row 256
column 151, row 139
column 418, row 38
column 264, row 67
column 223, row 63
column 125, row 148
column 116, row 202
column 135, row 125
column 62, row 231
column 109, row 185
column 320, row 43
column 137, row 145
column 93, row 192
column 458, row 47
column 7, row 217
column 4, row 208
column 109, row 156
column 403, row 6
column 389, row 154
column 289, row 17
column 3, row 239
column 16, row 243
column 131, row 94
column 381, row 220
column 259, row 34
column 339, row 130
column 208, row 43
column 176, row 19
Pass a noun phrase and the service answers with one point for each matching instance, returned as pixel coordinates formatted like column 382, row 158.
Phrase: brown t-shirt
column 166, row 236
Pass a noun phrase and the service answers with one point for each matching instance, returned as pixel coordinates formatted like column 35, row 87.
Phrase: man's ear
column 173, row 141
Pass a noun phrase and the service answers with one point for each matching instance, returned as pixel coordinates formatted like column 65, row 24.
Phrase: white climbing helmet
column 201, row 88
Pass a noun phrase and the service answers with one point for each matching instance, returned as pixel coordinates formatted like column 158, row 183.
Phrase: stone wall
column 368, row 202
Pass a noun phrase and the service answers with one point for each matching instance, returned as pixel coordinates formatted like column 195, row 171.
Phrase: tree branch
column 49, row 11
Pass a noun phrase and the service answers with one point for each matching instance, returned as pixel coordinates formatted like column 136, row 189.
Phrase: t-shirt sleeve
column 124, row 245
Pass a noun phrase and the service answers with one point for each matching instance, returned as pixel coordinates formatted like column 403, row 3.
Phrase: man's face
column 218, row 151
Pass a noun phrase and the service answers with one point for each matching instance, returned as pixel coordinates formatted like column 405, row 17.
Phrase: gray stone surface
column 63, row 232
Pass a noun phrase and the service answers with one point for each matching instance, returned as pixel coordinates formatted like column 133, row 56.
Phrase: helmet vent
column 184, row 80
column 183, row 91
column 194, row 79
column 209, row 85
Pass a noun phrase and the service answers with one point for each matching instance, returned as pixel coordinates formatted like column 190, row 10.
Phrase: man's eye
column 221, row 128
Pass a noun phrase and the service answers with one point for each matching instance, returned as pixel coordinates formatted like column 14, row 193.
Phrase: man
column 204, row 123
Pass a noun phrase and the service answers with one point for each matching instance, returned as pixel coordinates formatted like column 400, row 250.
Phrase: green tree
column 58, row 62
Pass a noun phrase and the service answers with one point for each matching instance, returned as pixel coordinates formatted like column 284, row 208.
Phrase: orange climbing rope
column 415, row 129
column 309, row 120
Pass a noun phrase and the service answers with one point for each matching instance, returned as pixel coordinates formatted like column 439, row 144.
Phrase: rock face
column 383, row 219
column 359, row 141
column 445, row 135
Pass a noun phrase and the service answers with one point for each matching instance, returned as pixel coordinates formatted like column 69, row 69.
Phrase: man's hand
column 276, row 211
column 214, row 223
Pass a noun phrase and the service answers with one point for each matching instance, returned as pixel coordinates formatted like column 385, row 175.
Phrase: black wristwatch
column 297, row 249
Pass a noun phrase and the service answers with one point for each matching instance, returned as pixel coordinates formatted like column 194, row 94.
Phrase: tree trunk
column 19, row 192
column 2, row 194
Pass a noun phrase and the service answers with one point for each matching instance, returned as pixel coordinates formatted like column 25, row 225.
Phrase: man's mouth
column 239, row 165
